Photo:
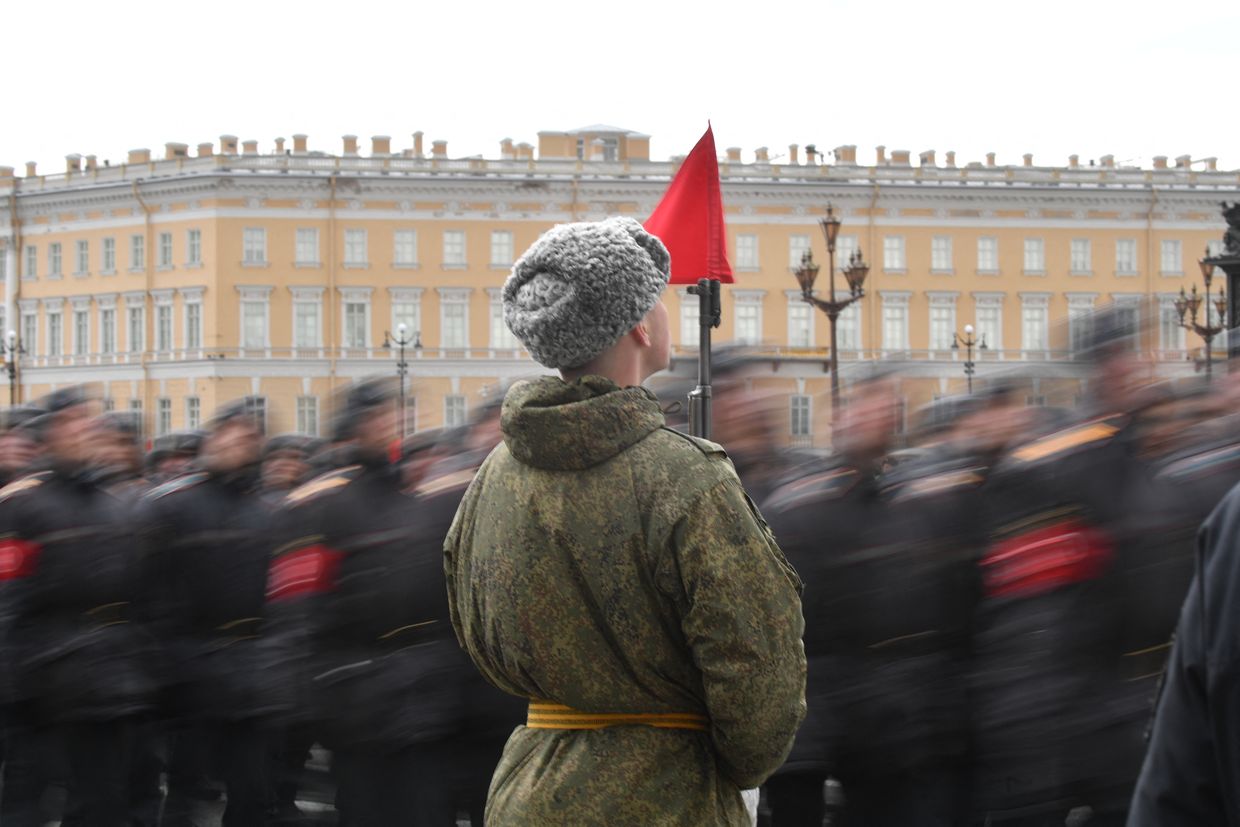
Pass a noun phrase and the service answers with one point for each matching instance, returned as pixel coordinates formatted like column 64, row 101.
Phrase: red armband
column 1046, row 559
column 306, row 571
column 18, row 558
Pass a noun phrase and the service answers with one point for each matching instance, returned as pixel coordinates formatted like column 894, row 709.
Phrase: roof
column 602, row 128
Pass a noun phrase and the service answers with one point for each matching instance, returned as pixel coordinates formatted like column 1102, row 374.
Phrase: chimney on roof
column 734, row 155
column 597, row 149
column 951, row 158
column 525, row 152
column 846, row 154
column 794, row 156
column 506, row 150
column 73, row 163
column 900, row 157
column 1074, row 161
column 990, row 159
column 1183, row 162
column 417, row 145
column 91, row 163
column 175, row 150
column 139, row 156
column 1107, row 160
column 811, row 154
column 762, row 155
column 279, row 146
column 927, row 158
column 350, row 144
column 228, row 144
column 249, row 147
column 299, row 144
column 1160, row 162
column 1028, row 159
column 206, row 149
column 6, row 172
column 439, row 149
column 381, row 145
column 880, row 155
column 30, row 166
column 1211, row 164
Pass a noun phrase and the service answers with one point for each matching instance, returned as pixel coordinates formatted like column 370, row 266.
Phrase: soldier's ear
column 642, row 334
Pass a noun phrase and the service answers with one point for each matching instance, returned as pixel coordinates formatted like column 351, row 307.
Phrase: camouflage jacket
column 603, row 562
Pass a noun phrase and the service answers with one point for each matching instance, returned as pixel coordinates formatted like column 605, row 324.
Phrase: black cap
column 299, row 443
column 124, row 423
column 177, row 443
column 65, row 398
column 1109, row 331
column 419, row 443
column 360, row 400
column 22, row 416
column 247, row 407
column 941, row 414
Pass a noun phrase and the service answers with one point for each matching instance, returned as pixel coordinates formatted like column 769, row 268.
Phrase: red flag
column 689, row 219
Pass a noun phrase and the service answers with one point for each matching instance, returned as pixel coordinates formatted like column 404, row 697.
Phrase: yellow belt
column 546, row 715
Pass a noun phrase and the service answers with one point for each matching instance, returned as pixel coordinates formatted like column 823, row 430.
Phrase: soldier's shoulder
column 1201, row 461
column 691, row 447
column 185, row 482
column 935, row 479
column 1082, row 436
column 813, row 482
column 322, row 486
column 24, row 485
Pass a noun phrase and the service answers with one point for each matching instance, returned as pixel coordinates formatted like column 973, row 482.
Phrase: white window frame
column 747, row 252
column 991, row 334
column 308, row 415
column 356, row 248
column 307, row 298
column 254, row 247
column 690, row 329
column 55, row 260
column 1081, row 257
column 1171, row 257
column 54, row 316
column 798, row 245
column 137, row 253
column 941, row 262
column 107, row 257
column 163, row 309
column 254, row 296
column 988, row 255
column 1171, row 336
column 848, row 328
column 500, row 337
column 405, row 248
column 193, row 412
column 164, row 241
column 800, row 319
column 31, row 270
column 406, row 296
column 895, row 259
column 163, row 415
column 1124, row 248
column 193, row 247
column 80, row 340
column 135, row 301
column 1028, row 302
column 356, row 296
column 191, row 327
column 1034, row 257
column 306, row 247
column 455, row 255
column 801, row 416
column 942, row 314
column 1080, row 320
column 749, row 304
column 455, row 418
column 454, row 297
column 894, row 300
column 105, row 307
column 81, row 257
column 502, row 251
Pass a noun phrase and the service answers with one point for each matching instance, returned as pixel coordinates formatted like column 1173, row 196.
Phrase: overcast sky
column 1092, row 77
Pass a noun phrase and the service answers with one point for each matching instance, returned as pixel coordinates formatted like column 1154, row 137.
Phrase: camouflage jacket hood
column 555, row 425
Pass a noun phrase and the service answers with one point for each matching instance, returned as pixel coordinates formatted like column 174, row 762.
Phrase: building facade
column 173, row 285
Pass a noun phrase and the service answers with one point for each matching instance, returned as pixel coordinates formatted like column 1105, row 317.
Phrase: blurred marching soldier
column 1049, row 716
column 360, row 626
column 172, row 455
column 743, row 423
column 613, row 572
column 286, row 464
column 207, row 536
column 118, row 453
column 19, row 443
column 68, row 583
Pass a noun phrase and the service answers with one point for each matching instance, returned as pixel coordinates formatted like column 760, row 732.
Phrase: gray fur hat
column 580, row 287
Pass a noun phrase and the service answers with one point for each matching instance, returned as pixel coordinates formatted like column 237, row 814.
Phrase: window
column 989, row 324
column 798, row 246
column 306, row 321
column 163, row 327
column 193, row 325
column 254, row 245
column 307, row 252
column 83, row 258
column 1080, row 322
column 501, row 337
column 30, row 333
column 748, row 322
column 81, row 332
column 1128, row 315
column 165, row 259
column 746, row 251
column 988, row 255
column 193, row 412
column 1126, row 257
column 53, row 260
column 1171, row 258
column 109, row 256
column 405, row 248
column 355, row 254
column 253, row 323
column 137, row 252
column 895, row 322
column 163, row 416
column 1171, row 335
column 942, row 324
column 135, row 405
column 308, row 415
column 137, row 329
column 1033, row 326
column 845, row 246
column 193, row 247
column 690, row 330
column 848, row 328
column 258, row 404
column 455, row 323
column 1082, row 263
column 454, row 411
column 1035, row 257
column 55, row 333
column 941, row 254
column 107, row 330
column 893, row 253
column 355, row 326
column 800, row 324
column 407, row 309
column 801, row 408
column 109, row 404
column 453, row 248
column 32, row 262
column 501, row 248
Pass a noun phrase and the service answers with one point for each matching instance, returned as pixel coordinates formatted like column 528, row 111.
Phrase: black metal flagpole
column 709, row 316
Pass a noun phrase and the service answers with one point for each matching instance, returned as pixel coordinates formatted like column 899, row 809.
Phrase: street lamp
column 854, row 273
column 13, row 349
column 1190, row 303
column 401, row 340
column 968, row 340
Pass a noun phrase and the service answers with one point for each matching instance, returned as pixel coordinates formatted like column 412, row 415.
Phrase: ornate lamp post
column 1190, row 303
column 969, row 340
column 401, row 341
column 854, row 274
column 13, row 349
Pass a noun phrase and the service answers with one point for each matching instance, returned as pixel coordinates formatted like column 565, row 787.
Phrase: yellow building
column 177, row 283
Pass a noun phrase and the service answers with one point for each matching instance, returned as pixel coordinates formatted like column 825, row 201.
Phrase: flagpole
column 709, row 317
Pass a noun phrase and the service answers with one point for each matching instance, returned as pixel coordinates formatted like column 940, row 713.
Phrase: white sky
column 1133, row 79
